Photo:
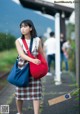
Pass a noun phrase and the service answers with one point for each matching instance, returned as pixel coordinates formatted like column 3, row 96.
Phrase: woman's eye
column 25, row 26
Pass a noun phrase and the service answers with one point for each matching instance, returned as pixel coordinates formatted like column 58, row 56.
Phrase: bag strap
column 26, row 46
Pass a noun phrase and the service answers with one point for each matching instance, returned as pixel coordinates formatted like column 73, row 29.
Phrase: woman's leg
column 19, row 104
column 36, row 105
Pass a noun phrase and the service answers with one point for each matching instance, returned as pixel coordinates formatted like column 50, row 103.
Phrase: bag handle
column 26, row 46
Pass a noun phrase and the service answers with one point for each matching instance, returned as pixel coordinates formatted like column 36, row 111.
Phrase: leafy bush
column 72, row 55
column 8, row 58
column 6, row 41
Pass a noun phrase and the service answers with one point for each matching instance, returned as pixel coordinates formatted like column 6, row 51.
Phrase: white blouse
column 34, row 51
column 35, row 44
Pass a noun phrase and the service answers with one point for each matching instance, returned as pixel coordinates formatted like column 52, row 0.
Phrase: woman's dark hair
column 30, row 24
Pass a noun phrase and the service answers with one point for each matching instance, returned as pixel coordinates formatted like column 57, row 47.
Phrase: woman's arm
column 23, row 55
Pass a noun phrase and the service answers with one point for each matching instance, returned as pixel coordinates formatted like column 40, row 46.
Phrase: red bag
column 37, row 71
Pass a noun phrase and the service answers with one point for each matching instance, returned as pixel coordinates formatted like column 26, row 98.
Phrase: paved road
column 50, row 91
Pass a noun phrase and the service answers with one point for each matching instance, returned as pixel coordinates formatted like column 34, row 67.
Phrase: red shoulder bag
column 37, row 71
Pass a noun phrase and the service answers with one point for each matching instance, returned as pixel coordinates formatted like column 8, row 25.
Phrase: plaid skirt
column 32, row 92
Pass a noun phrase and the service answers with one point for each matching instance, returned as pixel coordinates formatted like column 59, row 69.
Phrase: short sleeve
column 37, row 41
column 20, row 41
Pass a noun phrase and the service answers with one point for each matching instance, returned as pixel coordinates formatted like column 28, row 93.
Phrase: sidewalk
column 50, row 91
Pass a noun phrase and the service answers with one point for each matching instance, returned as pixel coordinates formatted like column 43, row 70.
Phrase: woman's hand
column 36, row 61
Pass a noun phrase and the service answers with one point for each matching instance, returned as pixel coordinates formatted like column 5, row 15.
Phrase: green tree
column 6, row 41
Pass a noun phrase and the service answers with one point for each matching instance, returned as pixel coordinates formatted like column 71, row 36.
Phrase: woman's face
column 25, row 29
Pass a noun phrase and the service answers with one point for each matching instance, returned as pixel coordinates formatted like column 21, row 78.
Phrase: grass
column 7, row 59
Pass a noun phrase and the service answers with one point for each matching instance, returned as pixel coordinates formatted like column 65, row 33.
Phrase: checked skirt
column 32, row 92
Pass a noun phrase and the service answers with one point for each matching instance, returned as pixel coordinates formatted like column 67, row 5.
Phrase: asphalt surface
column 50, row 91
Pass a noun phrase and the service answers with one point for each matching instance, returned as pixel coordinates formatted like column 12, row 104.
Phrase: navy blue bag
column 20, row 77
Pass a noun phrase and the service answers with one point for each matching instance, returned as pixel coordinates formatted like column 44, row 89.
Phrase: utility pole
column 77, row 38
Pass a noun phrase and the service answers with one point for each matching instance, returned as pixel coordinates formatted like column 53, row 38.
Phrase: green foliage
column 76, row 94
column 7, row 59
column 69, row 29
column 72, row 59
column 6, row 41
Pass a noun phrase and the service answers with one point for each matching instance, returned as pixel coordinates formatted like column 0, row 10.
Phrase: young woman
column 34, row 89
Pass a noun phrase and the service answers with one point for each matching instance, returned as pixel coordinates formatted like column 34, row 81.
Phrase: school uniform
column 34, row 90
